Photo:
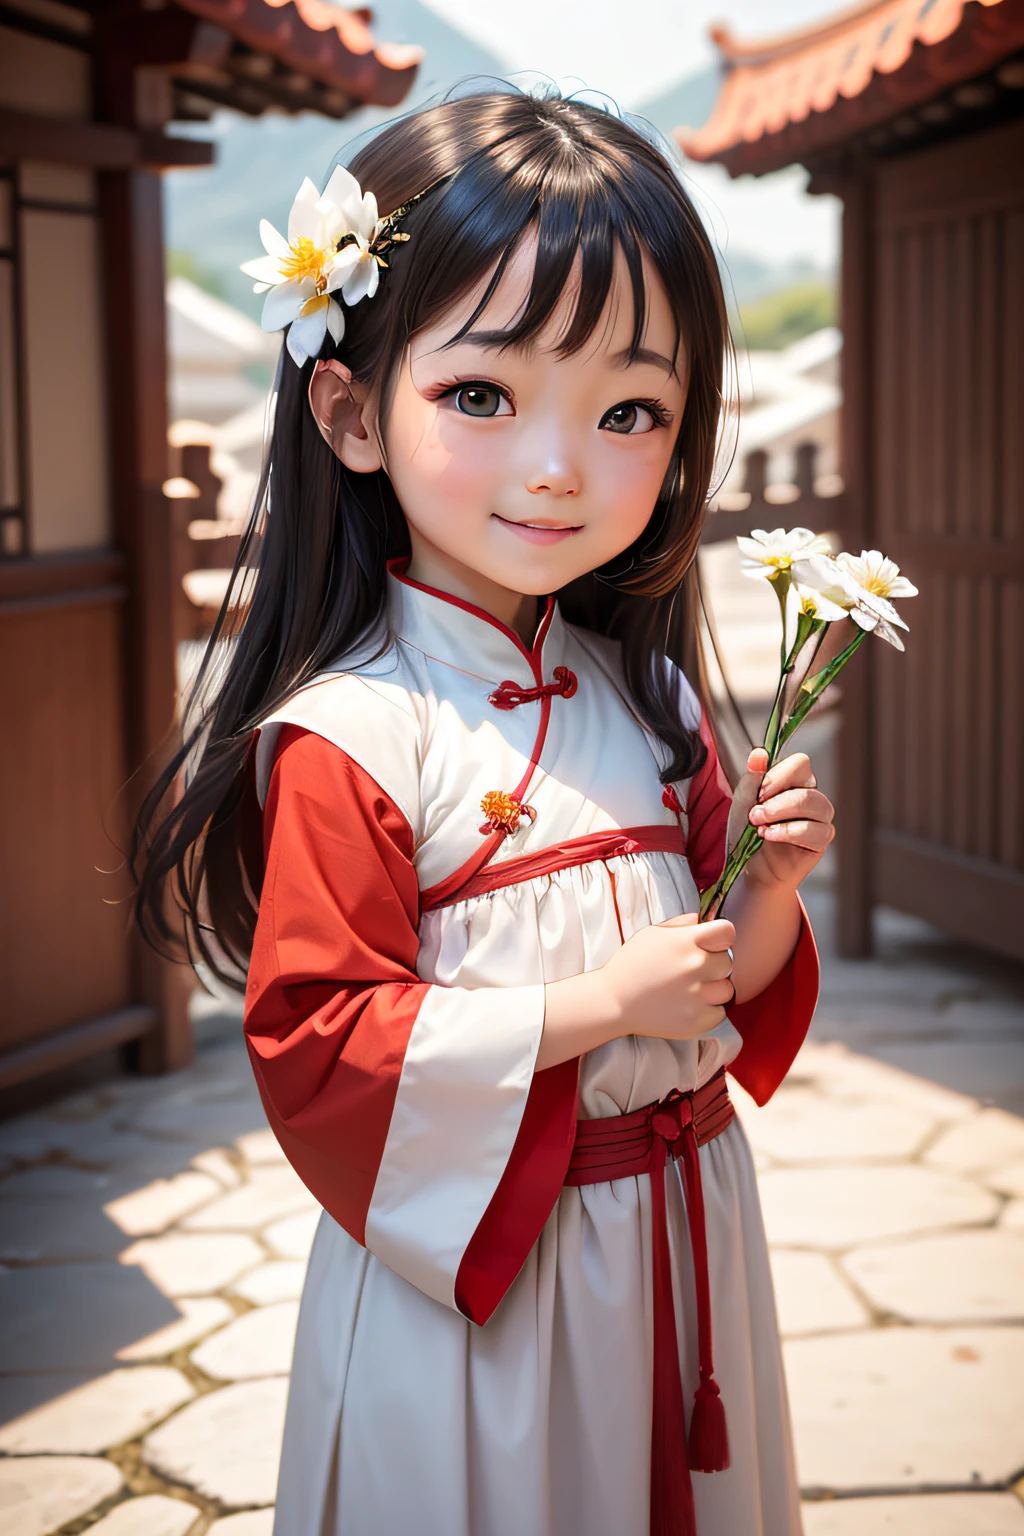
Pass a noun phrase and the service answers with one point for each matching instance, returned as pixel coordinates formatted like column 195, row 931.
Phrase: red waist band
column 642, row 1142
column 478, row 876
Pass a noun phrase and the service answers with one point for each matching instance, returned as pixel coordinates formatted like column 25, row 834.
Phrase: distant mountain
column 687, row 102
column 747, row 278
column 213, row 215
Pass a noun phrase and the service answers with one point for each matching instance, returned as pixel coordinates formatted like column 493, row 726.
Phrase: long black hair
column 310, row 580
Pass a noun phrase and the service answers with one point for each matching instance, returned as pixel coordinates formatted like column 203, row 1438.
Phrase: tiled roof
column 791, row 96
column 318, row 41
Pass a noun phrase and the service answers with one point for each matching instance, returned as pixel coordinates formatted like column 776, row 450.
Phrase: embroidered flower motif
column 503, row 811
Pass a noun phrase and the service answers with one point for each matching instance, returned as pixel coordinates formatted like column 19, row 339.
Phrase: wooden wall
column 86, row 616
column 63, row 949
column 939, row 431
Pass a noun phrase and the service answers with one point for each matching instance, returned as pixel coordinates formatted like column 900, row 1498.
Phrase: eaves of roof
column 795, row 97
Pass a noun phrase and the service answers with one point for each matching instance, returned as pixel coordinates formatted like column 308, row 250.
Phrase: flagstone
column 800, row 1125
column 840, row 1074
column 251, row 1522
column 811, row 1296
column 987, row 1139
column 260, row 1147
column 270, row 1193
column 840, row 1207
column 152, row 1515
column 40, row 1493
column 194, row 1263
column 922, row 1514
column 74, row 1317
column 1008, row 1180
column 985, row 1015
column 917, row 985
column 292, row 1237
column 101, row 1413
column 226, row 1445
column 218, row 1164
column 259, row 1343
column 21, row 1392
column 985, row 1069
column 200, row 1315
column 277, row 1280
column 898, row 1408
column 61, row 1230
column 157, row 1205
column 230, row 1102
column 56, row 1181
column 957, row 1277
column 101, row 1142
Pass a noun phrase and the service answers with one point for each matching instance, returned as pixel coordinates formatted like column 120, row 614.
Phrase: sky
column 635, row 50
column 651, row 56
column 632, row 50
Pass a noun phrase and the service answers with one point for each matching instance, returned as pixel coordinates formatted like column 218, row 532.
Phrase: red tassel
column 709, row 1436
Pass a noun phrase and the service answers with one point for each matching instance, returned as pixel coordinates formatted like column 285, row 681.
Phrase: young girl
column 457, row 827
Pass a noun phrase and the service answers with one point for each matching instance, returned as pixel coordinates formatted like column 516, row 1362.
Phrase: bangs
column 584, row 203
column 575, row 251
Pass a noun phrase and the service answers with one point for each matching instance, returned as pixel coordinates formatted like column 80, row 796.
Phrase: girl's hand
column 672, row 980
column 789, row 812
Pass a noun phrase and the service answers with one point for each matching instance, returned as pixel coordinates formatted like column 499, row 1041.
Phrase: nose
column 554, row 473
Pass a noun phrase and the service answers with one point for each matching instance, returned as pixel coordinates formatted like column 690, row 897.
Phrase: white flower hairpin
column 336, row 244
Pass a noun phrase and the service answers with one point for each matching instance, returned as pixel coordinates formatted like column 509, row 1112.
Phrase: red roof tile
column 321, row 40
column 791, row 95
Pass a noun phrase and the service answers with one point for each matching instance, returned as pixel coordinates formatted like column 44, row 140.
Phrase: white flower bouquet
column 815, row 591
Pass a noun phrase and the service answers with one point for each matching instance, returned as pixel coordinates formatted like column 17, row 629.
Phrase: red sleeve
column 332, row 999
column 332, row 994
column 773, row 1024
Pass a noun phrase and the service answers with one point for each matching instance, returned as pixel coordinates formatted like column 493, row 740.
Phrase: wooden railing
column 205, row 545
column 761, row 504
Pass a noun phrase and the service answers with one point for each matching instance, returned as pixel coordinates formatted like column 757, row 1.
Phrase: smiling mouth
column 540, row 532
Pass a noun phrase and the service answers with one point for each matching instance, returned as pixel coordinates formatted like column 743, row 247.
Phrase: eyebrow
column 492, row 341
column 643, row 355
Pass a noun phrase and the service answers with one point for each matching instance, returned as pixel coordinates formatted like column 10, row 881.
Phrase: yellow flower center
column 878, row 585
column 306, row 260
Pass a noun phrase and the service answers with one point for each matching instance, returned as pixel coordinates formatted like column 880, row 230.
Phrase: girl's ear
column 342, row 410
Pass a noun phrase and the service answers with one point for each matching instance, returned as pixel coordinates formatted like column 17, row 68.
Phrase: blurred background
column 859, row 170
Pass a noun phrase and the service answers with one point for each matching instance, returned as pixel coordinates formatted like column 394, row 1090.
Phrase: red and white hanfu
column 475, row 1347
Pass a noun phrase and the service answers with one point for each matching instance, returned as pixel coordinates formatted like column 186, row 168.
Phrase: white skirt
column 405, row 1417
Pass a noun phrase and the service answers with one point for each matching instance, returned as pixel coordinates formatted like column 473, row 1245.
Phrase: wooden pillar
column 132, row 219
column 854, row 845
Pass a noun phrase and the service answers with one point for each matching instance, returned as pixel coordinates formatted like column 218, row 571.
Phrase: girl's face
column 520, row 470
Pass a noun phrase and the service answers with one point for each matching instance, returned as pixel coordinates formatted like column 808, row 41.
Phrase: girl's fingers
column 793, row 772
column 815, row 836
column 808, row 803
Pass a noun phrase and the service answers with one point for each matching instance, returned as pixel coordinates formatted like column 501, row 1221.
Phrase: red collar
column 397, row 568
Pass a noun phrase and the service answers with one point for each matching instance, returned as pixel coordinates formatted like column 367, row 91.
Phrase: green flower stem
column 814, row 687
column 806, row 626
column 776, row 736
column 781, row 583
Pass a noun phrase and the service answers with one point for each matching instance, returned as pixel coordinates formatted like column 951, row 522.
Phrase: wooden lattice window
column 13, row 540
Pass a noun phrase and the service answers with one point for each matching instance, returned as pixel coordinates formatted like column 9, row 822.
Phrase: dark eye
column 628, row 419
column 478, row 400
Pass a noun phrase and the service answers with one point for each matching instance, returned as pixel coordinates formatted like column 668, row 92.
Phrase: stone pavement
column 153, row 1244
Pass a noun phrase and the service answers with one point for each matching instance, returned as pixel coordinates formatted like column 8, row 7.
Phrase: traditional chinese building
column 912, row 111
column 89, row 94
